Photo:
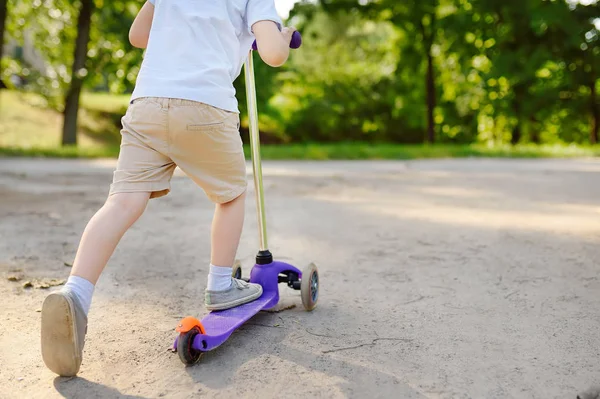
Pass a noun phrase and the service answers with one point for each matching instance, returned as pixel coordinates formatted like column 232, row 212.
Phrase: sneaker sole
column 236, row 303
column 59, row 336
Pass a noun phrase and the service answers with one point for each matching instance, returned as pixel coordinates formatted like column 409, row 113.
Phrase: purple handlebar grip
column 296, row 40
column 294, row 44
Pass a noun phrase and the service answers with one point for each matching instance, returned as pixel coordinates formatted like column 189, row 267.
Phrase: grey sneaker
column 64, row 324
column 240, row 293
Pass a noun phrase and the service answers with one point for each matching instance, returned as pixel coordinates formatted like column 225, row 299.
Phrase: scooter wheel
column 309, row 287
column 237, row 270
column 185, row 349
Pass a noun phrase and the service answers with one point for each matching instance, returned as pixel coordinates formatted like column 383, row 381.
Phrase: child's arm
column 273, row 45
column 140, row 29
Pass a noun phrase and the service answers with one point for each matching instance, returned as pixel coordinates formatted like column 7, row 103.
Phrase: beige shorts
column 161, row 133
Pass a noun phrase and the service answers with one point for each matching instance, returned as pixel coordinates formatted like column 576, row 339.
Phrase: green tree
column 78, row 72
column 512, row 54
column 419, row 19
column 51, row 28
column 3, row 14
column 581, row 51
column 338, row 86
column 378, row 70
column 113, row 63
column 82, row 45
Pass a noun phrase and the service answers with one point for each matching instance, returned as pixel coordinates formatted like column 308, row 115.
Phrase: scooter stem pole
column 255, row 149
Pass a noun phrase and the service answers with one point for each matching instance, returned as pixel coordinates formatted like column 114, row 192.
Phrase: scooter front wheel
column 185, row 348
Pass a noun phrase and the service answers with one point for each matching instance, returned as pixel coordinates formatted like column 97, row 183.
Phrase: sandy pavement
column 440, row 279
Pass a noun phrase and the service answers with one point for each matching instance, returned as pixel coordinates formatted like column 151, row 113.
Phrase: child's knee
column 236, row 200
column 131, row 204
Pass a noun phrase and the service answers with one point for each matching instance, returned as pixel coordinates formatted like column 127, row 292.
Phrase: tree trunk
column 3, row 13
column 517, row 132
column 78, row 73
column 534, row 133
column 595, row 114
column 430, row 100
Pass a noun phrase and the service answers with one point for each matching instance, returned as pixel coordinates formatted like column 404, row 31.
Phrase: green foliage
column 50, row 26
column 113, row 62
column 525, row 50
column 339, row 86
column 270, row 120
column 504, row 71
column 481, row 71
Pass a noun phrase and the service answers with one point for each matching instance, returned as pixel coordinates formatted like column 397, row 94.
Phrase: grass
column 343, row 151
column 104, row 102
column 29, row 129
column 27, row 126
column 61, row 152
column 355, row 151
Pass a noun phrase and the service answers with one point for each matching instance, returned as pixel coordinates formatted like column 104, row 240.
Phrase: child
column 183, row 113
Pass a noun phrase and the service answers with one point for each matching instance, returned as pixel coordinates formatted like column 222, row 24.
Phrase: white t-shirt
column 197, row 49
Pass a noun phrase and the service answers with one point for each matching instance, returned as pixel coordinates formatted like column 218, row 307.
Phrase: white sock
column 83, row 289
column 219, row 278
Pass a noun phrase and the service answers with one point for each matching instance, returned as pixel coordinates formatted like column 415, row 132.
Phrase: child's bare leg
column 226, row 231
column 104, row 231
column 64, row 313
column 224, row 292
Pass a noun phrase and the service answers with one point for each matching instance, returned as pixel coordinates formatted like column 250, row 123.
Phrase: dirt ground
column 439, row 279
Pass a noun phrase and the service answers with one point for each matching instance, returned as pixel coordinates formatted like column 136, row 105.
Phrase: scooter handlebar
column 294, row 44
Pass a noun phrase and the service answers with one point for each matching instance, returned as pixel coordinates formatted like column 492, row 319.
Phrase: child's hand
column 288, row 33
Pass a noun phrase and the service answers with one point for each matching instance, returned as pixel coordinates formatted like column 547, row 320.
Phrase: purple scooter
column 195, row 336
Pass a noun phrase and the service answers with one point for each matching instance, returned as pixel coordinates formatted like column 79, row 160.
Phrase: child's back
column 196, row 49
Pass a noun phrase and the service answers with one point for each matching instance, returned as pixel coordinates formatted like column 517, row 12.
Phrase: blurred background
column 374, row 79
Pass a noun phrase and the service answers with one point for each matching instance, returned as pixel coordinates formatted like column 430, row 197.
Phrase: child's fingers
column 288, row 32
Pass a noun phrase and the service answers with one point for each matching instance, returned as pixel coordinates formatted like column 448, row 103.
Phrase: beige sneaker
column 64, row 324
column 238, row 294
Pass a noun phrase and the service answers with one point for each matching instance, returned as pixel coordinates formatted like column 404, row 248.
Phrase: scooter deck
column 219, row 325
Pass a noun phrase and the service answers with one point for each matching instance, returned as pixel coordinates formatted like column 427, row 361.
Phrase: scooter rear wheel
column 185, row 349
column 309, row 287
column 237, row 270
